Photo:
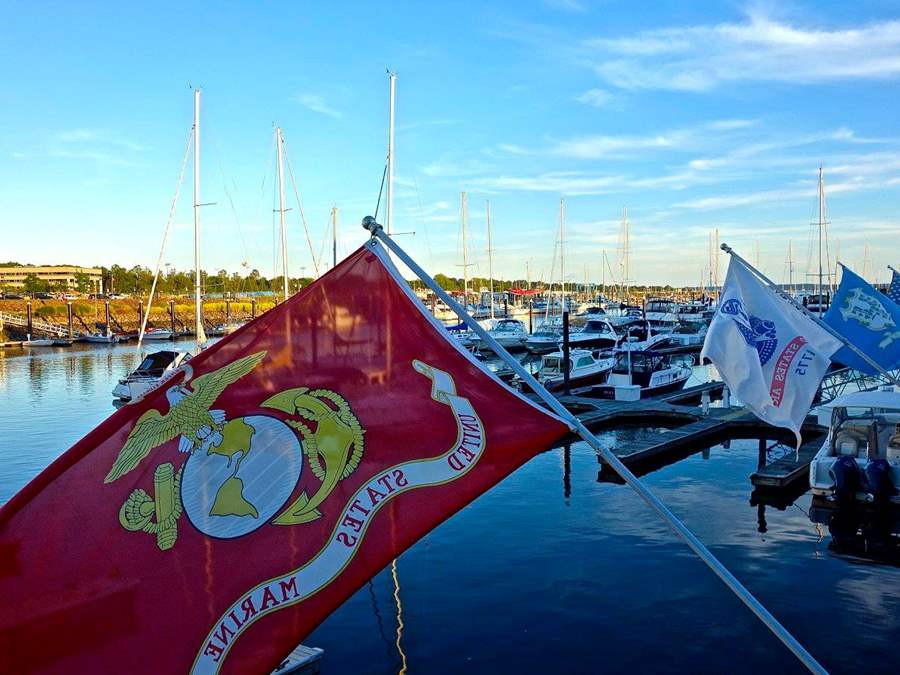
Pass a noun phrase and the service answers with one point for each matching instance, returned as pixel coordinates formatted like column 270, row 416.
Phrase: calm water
column 552, row 571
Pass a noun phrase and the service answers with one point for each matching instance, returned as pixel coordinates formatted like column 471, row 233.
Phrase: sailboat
column 159, row 366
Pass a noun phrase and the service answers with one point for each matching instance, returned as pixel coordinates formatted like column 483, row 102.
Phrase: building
column 14, row 277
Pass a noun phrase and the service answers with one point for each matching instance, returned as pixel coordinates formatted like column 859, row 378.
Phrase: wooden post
column 30, row 319
column 140, row 313
column 566, row 352
column 69, row 318
column 252, row 308
column 106, row 317
column 530, row 316
column 227, row 310
column 172, row 317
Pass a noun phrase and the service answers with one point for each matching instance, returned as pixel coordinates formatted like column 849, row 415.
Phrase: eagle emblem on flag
column 760, row 334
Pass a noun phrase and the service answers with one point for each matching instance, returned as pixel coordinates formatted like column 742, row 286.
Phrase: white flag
column 771, row 355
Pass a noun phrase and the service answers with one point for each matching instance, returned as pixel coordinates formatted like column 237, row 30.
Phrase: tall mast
column 284, row 260
column 603, row 275
column 389, row 221
column 490, row 252
column 562, row 249
column 198, row 308
column 626, row 245
column 821, row 229
column 790, row 265
column 465, row 216
column 334, row 236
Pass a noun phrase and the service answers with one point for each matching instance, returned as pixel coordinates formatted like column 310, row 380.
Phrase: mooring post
column 69, row 319
column 566, row 352
column 530, row 316
column 106, row 317
column 140, row 313
column 30, row 319
column 172, row 316
column 227, row 310
column 252, row 308
column 761, row 458
column 567, row 472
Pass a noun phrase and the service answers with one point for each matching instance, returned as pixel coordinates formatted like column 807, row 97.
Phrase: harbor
column 614, row 565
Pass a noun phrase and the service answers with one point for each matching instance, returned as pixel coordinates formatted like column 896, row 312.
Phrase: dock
column 685, row 429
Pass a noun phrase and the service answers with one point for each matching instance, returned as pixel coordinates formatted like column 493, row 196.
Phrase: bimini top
column 867, row 399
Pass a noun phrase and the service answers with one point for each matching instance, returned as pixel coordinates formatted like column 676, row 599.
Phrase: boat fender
column 878, row 475
column 845, row 472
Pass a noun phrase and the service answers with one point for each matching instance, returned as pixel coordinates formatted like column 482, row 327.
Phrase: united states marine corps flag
column 211, row 525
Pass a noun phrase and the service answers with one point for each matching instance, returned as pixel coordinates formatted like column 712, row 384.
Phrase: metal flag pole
column 608, row 456
column 786, row 296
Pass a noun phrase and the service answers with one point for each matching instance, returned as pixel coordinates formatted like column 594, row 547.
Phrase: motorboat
column 586, row 369
column 509, row 334
column 158, row 334
column 40, row 342
column 156, row 367
column 106, row 338
column 640, row 336
column 662, row 313
column 653, row 372
column 689, row 334
column 595, row 334
column 860, row 457
column 546, row 338
column 816, row 303
column 626, row 314
column 694, row 312
column 223, row 328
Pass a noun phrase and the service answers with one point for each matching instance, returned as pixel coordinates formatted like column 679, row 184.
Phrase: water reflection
column 516, row 580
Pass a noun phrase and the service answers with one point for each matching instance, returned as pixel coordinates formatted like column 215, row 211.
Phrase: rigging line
column 162, row 250
column 312, row 252
column 234, row 215
column 380, row 190
column 400, row 651
column 422, row 220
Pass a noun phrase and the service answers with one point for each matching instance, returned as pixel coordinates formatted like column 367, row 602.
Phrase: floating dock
column 686, row 430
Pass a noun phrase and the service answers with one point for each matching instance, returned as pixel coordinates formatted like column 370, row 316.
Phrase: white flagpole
column 852, row 347
column 608, row 456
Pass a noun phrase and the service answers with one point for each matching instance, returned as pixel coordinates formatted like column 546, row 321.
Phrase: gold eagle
column 189, row 416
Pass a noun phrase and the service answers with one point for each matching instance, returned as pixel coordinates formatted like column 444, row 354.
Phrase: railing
column 36, row 324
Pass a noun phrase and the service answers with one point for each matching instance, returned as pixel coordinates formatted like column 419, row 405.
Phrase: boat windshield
column 595, row 326
column 866, row 432
column 156, row 363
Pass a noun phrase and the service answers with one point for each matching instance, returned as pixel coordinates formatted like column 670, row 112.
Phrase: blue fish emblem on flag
column 757, row 333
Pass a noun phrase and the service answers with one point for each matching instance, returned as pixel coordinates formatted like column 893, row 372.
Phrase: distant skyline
column 693, row 116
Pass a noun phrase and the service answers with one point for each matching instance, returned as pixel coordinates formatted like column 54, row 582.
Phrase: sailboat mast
column 465, row 251
column 198, row 308
column 334, row 236
column 821, row 228
column 562, row 249
column 284, row 260
column 389, row 221
column 490, row 252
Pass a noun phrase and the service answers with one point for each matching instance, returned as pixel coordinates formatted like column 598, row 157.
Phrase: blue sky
column 695, row 116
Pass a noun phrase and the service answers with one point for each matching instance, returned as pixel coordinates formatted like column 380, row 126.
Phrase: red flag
column 210, row 526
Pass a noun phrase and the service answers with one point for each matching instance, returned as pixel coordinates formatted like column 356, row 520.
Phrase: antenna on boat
column 490, row 252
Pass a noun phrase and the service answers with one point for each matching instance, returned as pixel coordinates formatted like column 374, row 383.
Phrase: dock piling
column 30, row 318
column 70, row 332
column 172, row 316
column 566, row 352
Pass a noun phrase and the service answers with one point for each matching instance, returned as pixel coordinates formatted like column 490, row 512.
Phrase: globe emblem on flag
column 243, row 479
column 760, row 334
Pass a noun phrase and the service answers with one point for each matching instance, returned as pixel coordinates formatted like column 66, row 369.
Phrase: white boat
column 662, row 313
column 158, row 334
column 639, row 336
column 509, row 333
column 546, row 337
column 694, row 312
column 155, row 368
column 595, row 334
column 586, row 369
column 860, row 457
column 41, row 342
column 688, row 334
column 100, row 338
column 653, row 372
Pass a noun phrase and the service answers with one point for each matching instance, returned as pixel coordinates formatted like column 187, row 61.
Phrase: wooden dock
column 687, row 430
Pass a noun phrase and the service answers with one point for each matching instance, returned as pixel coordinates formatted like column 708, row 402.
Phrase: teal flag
column 869, row 320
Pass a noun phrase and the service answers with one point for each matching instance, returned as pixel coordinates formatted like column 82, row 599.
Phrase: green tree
column 35, row 285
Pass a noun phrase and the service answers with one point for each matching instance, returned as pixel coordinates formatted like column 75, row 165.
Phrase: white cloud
column 595, row 97
column 759, row 49
column 317, row 104
column 575, row 6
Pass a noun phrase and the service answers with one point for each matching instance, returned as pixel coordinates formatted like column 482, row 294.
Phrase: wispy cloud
column 599, row 146
column 576, row 6
column 759, row 49
column 599, row 98
column 96, row 137
column 317, row 104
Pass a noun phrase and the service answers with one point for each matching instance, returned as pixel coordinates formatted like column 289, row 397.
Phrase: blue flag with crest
column 894, row 290
column 869, row 320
